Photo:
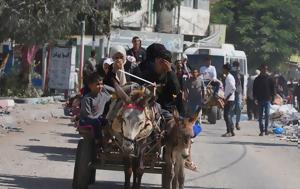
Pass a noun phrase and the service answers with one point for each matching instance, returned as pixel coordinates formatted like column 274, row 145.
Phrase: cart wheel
column 93, row 176
column 163, row 178
column 219, row 114
column 212, row 115
column 82, row 171
column 164, row 170
column 93, row 171
column 77, row 160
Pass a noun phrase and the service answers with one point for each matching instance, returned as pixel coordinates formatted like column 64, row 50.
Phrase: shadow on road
column 119, row 185
column 69, row 135
column 28, row 182
column 198, row 187
column 67, row 124
column 53, row 153
column 256, row 144
column 73, row 141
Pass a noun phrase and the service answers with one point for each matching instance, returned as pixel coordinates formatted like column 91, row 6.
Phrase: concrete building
column 193, row 20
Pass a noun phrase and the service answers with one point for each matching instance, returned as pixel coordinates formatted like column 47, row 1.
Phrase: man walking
column 251, row 106
column 263, row 92
column 297, row 94
column 229, row 100
column 137, row 51
column 239, row 84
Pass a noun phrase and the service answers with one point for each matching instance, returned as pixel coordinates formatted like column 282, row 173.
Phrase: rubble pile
column 285, row 122
column 7, row 121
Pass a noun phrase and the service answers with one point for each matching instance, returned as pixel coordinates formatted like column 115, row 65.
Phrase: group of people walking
column 234, row 89
column 260, row 95
column 178, row 85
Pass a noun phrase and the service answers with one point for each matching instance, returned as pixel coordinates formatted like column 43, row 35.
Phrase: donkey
column 178, row 141
column 136, row 128
column 134, row 122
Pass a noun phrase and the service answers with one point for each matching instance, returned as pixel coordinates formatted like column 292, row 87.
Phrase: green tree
column 268, row 30
column 33, row 22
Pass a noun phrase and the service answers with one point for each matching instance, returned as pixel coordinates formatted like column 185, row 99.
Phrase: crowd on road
column 183, row 87
column 177, row 86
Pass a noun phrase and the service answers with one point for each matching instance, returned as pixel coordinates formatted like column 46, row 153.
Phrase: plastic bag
column 197, row 129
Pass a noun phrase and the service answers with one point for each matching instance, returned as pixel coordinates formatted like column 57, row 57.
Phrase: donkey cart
column 135, row 141
column 213, row 106
column 89, row 158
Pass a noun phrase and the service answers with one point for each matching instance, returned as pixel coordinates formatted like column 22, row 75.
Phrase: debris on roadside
column 10, row 127
column 285, row 122
column 6, row 103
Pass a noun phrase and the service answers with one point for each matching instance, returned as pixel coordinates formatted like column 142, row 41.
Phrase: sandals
column 190, row 165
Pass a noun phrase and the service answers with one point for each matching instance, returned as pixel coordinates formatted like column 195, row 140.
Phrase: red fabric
column 133, row 106
column 28, row 54
column 81, row 91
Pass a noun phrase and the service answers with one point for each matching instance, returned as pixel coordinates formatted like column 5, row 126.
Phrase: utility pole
column 81, row 54
column 94, row 32
column 178, row 19
column 109, row 25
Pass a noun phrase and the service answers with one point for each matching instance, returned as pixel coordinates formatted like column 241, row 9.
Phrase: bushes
column 13, row 84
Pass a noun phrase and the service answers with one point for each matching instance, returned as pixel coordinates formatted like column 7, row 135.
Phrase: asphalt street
column 41, row 156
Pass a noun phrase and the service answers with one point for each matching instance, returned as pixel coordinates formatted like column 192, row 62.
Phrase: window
column 188, row 3
column 195, row 4
column 201, row 4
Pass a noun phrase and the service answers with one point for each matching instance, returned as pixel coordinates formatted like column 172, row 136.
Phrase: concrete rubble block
column 8, row 123
column 7, row 103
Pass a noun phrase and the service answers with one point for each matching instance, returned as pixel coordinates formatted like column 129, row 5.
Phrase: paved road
column 42, row 157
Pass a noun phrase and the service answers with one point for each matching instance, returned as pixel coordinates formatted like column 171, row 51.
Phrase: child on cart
column 93, row 106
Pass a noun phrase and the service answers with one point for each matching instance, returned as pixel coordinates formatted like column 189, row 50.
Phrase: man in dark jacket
column 137, row 51
column 169, row 87
column 147, row 67
column 263, row 92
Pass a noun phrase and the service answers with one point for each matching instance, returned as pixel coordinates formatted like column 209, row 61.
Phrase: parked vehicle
column 219, row 56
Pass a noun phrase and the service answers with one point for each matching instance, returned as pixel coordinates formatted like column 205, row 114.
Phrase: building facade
column 193, row 17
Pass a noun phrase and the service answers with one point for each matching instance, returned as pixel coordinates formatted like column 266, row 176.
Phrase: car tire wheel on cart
column 82, row 170
column 212, row 115
column 93, row 171
column 219, row 117
column 163, row 177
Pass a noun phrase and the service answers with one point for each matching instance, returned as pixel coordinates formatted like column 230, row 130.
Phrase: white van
column 220, row 56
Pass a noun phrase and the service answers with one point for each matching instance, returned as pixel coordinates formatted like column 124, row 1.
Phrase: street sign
column 62, row 68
